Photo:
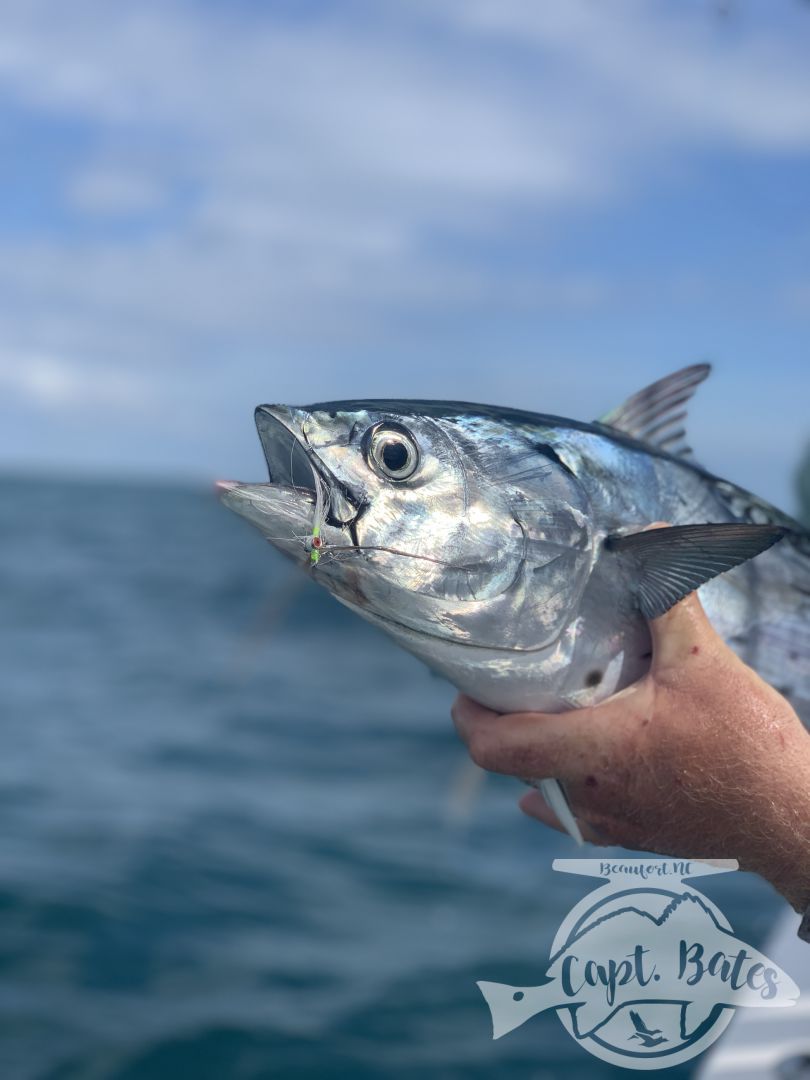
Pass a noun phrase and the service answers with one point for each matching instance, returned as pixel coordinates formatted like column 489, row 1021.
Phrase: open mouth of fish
column 284, row 506
column 289, row 464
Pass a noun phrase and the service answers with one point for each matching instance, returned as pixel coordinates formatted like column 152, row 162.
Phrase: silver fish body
column 476, row 537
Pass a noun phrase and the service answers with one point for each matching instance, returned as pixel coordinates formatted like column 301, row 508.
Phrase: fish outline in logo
column 644, row 941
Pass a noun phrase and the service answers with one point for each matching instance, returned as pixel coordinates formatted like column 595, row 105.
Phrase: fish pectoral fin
column 657, row 413
column 665, row 565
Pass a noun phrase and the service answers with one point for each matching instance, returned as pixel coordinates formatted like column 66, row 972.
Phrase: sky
column 205, row 206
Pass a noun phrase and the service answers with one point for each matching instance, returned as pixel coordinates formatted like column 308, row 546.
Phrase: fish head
column 428, row 516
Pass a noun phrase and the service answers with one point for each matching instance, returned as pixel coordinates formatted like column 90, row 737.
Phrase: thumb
column 682, row 632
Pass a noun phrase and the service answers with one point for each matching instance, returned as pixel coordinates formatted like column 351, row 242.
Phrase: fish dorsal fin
column 657, row 413
column 667, row 564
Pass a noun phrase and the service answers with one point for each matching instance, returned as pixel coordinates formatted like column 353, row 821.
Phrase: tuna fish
column 507, row 548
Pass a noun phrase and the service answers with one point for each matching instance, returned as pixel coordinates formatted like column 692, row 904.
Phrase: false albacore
column 506, row 548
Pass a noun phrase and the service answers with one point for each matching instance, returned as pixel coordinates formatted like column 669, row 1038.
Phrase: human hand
column 700, row 758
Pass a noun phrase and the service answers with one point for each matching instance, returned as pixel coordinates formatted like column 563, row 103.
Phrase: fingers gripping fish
column 507, row 549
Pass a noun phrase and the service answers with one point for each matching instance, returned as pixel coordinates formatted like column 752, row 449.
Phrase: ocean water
column 231, row 837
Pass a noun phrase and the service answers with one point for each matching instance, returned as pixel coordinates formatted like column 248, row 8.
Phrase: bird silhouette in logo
column 646, row 1036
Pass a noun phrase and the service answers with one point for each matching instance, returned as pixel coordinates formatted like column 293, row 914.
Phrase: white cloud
column 53, row 383
column 299, row 144
column 742, row 80
column 305, row 183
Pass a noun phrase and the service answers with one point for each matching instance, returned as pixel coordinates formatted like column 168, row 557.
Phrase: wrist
column 784, row 832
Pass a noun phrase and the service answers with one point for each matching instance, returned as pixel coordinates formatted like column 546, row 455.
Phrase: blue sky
column 205, row 206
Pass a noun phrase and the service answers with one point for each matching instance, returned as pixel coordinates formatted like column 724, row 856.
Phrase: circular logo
column 648, row 1033
column 644, row 972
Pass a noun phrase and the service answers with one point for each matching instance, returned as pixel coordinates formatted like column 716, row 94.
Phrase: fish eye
column 392, row 452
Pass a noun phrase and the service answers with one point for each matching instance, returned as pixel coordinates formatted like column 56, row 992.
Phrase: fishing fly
column 314, row 542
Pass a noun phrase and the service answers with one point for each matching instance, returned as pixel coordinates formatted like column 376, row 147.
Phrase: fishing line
column 405, row 554
column 298, row 537
column 315, row 544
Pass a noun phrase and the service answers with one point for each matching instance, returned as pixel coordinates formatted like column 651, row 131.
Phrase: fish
column 510, row 551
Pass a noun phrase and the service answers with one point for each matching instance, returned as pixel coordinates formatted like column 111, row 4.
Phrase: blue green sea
column 234, row 835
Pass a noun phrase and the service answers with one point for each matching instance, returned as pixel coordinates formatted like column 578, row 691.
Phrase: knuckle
column 523, row 761
column 481, row 749
column 492, row 751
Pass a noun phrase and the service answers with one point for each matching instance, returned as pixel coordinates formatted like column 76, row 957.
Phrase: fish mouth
column 284, row 509
column 292, row 463
column 289, row 462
